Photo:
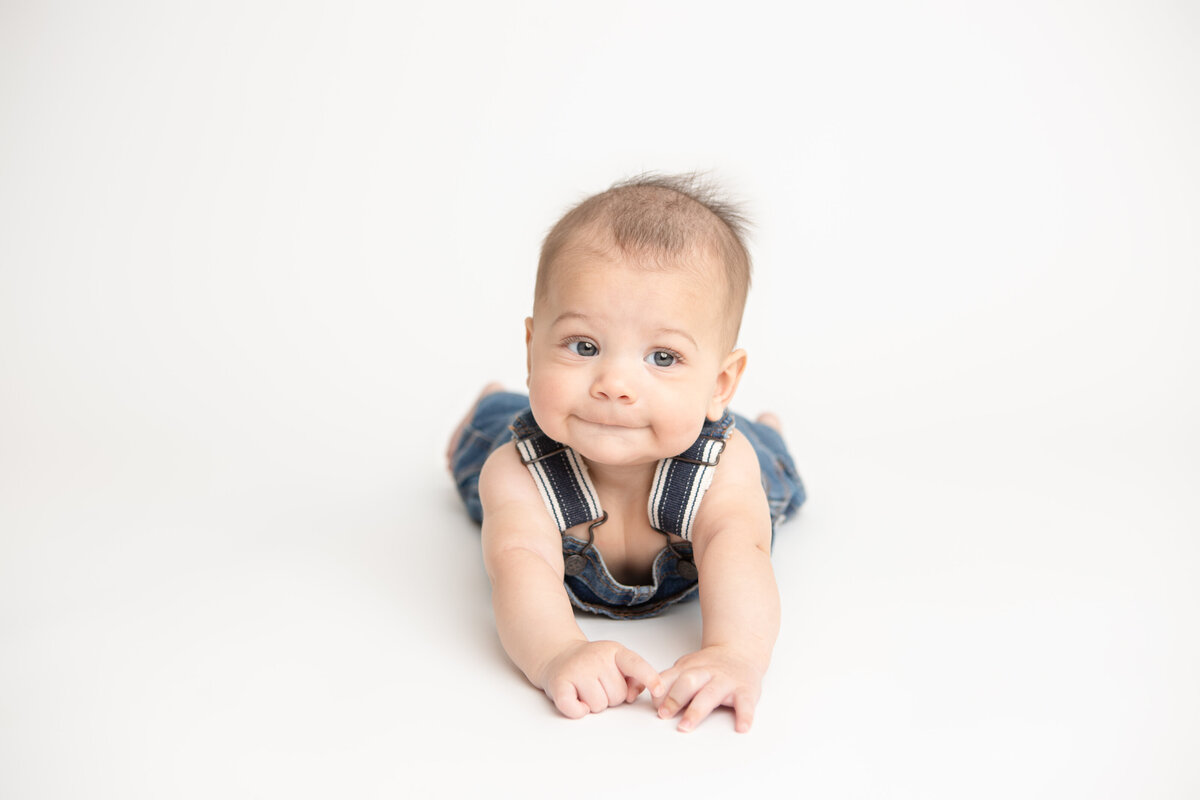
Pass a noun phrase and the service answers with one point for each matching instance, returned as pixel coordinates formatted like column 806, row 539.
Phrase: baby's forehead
column 699, row 279
column 582, row 274
column 591, row 250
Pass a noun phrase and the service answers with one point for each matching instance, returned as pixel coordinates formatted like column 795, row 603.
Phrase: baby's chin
column 616, row 453
column 595, row 450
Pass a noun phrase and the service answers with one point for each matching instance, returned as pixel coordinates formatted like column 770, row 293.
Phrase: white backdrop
column 256, row 258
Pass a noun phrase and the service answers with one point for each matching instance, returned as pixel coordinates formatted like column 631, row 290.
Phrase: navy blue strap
column 680, row 482
column 560, row 474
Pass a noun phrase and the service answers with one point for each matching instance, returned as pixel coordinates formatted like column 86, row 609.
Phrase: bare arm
column 739, row 599
column 522, row 552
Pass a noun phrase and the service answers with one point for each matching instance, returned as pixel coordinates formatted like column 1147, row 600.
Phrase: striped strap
column 680, row 482
column 559, row 473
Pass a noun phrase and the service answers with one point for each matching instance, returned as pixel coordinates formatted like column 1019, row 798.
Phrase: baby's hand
column 592, row 676
column 710, row 677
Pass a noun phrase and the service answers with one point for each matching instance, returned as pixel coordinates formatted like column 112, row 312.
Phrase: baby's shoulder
column 736, row 498
column 504, row 474
column 739, row 463
column 514, row 514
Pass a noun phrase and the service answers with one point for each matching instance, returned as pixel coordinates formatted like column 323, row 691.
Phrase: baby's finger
column 635, row 688
column 708, row 698
column 566, row 700
column 743, row 712
column 593, row 695
column 682, row 692
column 634, row 666
column 615, row 688
column 669, row 676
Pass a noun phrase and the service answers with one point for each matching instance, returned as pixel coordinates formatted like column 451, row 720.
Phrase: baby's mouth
column 611, row 425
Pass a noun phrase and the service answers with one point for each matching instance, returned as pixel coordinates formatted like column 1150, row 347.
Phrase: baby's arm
column 522, row 551
column 739, row 600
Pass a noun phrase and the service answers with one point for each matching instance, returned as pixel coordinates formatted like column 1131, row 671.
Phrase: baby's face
column 625, row 362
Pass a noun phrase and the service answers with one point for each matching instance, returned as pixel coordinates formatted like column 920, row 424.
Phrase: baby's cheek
column 679, row 436
column 545, row 410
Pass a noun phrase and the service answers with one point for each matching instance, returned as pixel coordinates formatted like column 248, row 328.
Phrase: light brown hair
column 661, row 216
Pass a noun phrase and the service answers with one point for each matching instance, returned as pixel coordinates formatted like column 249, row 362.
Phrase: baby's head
column 661, row 222
column 639, row 298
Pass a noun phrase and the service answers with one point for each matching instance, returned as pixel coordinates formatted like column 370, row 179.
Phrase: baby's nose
column 614, row 383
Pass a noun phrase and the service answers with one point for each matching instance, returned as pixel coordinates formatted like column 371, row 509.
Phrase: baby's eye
column 582, row 347
column 662, row 358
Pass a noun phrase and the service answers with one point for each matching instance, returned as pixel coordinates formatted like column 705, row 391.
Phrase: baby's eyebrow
column 576, row 316
column 571, row 315
column 678, row 332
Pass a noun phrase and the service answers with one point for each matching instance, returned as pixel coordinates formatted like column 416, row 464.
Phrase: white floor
column 255, row 261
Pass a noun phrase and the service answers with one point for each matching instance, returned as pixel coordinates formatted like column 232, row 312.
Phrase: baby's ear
column 727, row 382
column 528, row 348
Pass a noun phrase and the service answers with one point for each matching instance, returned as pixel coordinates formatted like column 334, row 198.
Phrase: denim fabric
column 785, row 491
column 595, row 589
column 486, row 431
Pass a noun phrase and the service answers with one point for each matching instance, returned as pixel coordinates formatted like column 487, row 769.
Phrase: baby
column 622, row 485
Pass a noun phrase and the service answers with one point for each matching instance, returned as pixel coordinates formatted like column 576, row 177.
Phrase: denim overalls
column 562, row 481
